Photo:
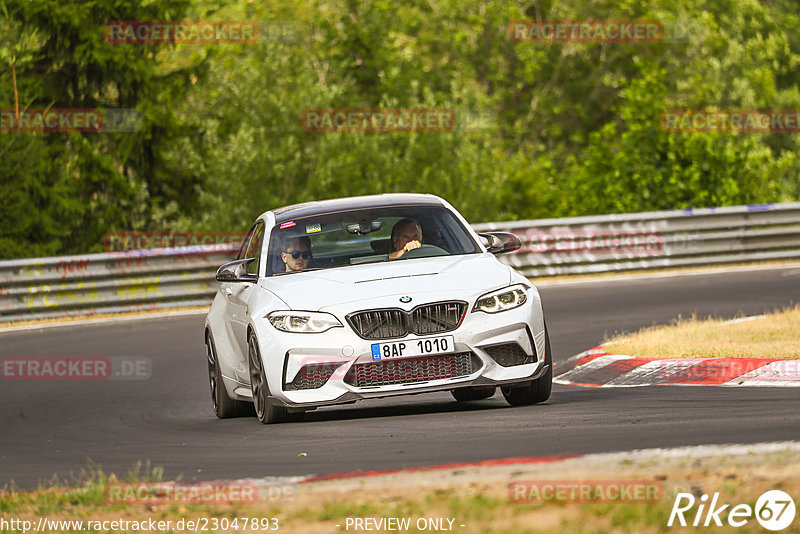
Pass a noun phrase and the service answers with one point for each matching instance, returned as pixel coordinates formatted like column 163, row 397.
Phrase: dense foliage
column 564, row 129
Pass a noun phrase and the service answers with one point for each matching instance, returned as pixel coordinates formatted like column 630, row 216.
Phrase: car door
column 238, row 295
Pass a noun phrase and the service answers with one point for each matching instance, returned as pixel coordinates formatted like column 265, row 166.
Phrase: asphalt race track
column 61, row 427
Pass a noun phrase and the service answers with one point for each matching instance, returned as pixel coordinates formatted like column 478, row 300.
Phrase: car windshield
column 362, row 236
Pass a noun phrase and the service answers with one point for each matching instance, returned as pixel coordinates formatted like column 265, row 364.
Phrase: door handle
column 228, row 291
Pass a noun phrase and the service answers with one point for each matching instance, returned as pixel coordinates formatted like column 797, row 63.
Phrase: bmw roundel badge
column 405, row 299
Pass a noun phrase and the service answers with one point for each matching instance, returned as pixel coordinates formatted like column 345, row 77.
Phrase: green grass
column 481, row 506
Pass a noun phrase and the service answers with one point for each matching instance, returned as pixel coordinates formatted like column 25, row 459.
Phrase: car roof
column 319, row 207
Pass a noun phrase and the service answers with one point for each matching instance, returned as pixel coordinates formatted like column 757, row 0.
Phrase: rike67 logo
column 774, row 510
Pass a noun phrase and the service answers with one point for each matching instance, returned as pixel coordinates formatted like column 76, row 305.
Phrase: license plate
column 413, row 347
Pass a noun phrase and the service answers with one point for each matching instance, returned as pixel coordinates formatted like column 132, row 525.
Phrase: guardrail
column 651, row 240
column 111, row 282
column 137, row 280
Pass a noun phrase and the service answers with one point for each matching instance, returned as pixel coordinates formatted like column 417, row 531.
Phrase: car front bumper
column 480, row 336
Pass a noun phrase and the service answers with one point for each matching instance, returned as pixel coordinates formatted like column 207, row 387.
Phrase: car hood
column 383, row 283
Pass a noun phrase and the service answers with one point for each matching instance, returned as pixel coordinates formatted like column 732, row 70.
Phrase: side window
column 246, row 243
column 254, row 248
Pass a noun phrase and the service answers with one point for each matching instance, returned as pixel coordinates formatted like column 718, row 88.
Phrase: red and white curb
column 597, row 367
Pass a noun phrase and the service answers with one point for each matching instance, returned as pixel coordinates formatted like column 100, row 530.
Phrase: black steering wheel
column 424, row 251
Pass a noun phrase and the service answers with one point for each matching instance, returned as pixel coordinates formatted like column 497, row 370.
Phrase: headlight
column 302, row 322
column 504, row 299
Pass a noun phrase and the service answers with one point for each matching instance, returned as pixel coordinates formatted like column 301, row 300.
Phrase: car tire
column 473, row 393
column 534, row 391
column 266, row 410
column 223, row 406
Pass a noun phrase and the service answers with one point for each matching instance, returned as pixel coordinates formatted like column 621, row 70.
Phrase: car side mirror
column 236, row 271
column 500, row 242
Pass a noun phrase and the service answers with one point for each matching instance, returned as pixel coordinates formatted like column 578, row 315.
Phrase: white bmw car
column 335, row 301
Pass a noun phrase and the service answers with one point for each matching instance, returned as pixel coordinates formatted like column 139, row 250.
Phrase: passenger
column 296, row 253
column 406, row 235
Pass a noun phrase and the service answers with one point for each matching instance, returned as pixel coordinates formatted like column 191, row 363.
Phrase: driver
column 406, row 235
column 296, row 253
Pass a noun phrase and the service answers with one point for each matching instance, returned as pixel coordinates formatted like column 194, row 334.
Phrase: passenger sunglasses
column 296, row 254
